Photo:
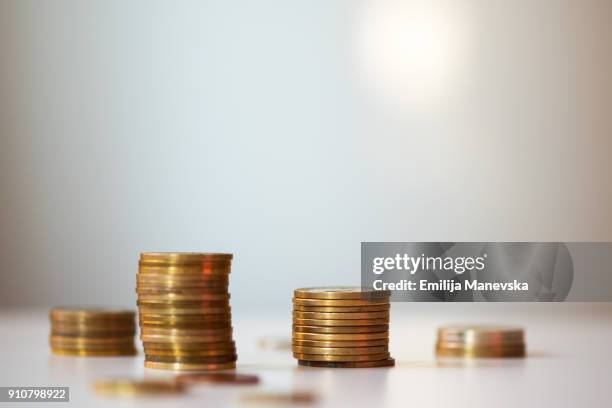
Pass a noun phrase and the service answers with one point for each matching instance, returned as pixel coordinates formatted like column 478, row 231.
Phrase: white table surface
column 569, row 362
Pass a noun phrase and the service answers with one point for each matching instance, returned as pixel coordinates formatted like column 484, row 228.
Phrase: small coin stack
column 480, row 341
column 92, row 332
column 341, row 327
column 184, row 311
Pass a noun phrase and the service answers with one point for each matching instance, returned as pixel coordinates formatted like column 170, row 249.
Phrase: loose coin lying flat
column 218, row 378
column 276, row 398
column 131, row 388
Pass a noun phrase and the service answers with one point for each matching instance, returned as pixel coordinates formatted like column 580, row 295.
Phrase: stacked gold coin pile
column 343, row 327
column 184, row 311
column 480, row 341
column 92, row 332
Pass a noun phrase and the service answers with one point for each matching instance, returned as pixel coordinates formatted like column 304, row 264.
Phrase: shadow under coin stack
column 341, row 327
column 92, row 332
column 184, row 311
column 480, row 341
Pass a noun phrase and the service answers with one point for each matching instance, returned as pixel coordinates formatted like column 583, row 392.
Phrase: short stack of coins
column 92, row 332
column 341, row 327
column 480, row 342
column 184, row 311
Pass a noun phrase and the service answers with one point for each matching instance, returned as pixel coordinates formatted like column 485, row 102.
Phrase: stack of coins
column 341, row 327
column 92, row 332
column 184, row 311
column 480, row 341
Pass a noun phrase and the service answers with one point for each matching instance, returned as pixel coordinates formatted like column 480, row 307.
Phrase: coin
column 84, row 313
column 341, row 293
column 187, row 346
column 171, row 296
column 279, row 398
column 204, row 314
column 480, row 352
column 341, row 316
column 341, row 309
column 340, row 337
column 340, row 351
column 183, row 257
column 129, row 388
column 192, row 360
column 345, row 343
column 186, row 339
column 351, row 322
column 341, row 329
column 190, row 367
column 324, row 357
column 348, row 364
column 337, row 303
column 192, row 353
column 180, row 292
column 93, row 353
column 218, row 378
column 164, row 331
column 481, row 334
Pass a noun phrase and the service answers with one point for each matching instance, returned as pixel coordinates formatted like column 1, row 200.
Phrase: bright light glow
column 413, row 52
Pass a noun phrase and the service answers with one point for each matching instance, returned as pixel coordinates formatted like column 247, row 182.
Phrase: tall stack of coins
column 480, row 341
column 184, row 311
column 92, row 332
column 341, row 327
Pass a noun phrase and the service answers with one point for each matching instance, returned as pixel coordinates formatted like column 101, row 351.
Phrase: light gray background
column 287, row 132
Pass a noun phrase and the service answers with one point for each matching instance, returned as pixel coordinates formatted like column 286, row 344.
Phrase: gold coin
column 337, row 303
column 181, row 292
column 206, row 269
column 93, row 313
column 202, row 324
column 93, row 353
column 174, row 287
column 92, row 340
column 341, row 293
column 366, row 343
column 348, row 364
column 185, row 339
column 341, row 316
column 280, row 398
column 187, row 346
column 130, row 388
column 481, row 334
column 340, row 337
column 218, row 378
column 191, row 353
column 342, row 309
column 163, row 331
column 192, row 360
column 324, row 357
column 85, row 331
column 206, row 313
column 173, row 297
column 341, row 329
column 182, row 257
column 351, row 322
column 161, row 278
column 190, row 367
column 481, row 352
column 340, row 351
